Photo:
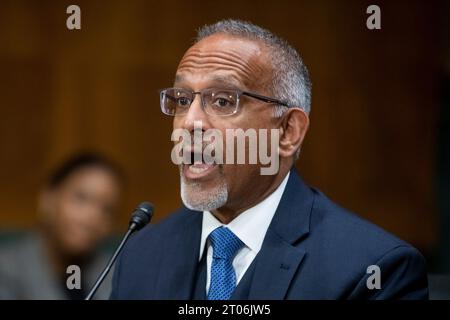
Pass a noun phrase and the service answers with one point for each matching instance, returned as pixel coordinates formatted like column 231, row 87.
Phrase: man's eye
column 223, row 102
column 183, row 101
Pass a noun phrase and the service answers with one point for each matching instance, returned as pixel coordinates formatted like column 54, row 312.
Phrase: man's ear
column 294, row 125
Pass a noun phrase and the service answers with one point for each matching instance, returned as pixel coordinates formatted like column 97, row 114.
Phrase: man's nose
column 196, row 114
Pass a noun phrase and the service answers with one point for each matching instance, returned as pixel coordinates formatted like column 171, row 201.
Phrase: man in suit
column 242, row 234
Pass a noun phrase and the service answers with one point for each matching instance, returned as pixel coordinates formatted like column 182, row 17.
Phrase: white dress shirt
column 250, row 227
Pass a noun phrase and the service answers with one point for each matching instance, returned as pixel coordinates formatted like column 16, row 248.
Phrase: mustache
column 194, row 149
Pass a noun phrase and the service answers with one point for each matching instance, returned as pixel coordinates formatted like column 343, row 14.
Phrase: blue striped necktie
column 223, row 278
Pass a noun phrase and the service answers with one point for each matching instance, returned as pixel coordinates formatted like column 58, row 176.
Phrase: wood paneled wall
column 371, row 146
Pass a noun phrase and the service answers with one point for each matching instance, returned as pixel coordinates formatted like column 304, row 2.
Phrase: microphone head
column 141, row 215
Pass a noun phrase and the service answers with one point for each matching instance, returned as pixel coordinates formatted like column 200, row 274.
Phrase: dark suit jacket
column 313, row 249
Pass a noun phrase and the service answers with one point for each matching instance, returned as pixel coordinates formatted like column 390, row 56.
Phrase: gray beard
column 196, row 198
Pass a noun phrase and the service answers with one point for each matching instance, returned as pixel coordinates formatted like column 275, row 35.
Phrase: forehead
column 91, row 176
column 225, row 59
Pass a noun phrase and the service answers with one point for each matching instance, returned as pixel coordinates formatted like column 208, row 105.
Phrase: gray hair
column 290, row 81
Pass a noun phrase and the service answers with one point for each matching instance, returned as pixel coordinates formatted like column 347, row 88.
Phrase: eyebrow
column 179, row 78
column 229, row 81
column 226, row 81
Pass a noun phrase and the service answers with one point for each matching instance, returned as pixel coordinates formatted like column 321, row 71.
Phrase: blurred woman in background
column 77, row 208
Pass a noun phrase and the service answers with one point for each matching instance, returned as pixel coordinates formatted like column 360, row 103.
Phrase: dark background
column 380, row 123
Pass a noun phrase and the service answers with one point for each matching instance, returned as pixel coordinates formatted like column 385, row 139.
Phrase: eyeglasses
column 217, row 102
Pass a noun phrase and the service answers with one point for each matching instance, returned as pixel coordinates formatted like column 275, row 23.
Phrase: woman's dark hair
column 83, row 161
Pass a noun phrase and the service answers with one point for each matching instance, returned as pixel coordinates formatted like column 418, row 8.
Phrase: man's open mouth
column 199, row 167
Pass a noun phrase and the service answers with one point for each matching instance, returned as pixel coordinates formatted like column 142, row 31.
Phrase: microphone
column 140, row 217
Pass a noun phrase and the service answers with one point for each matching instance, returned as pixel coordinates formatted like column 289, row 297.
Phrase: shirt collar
column 251, row 225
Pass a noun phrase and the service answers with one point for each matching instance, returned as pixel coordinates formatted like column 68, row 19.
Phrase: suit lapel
column 280, row 258
column 199, row 292
column 180, row 262
column 276, row 264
